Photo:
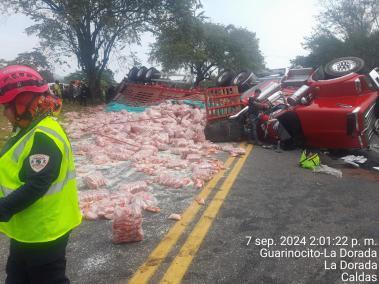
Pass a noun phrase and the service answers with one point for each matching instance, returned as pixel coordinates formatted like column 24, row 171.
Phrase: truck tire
column 132, row 74
column 344, row 65
column 239, row 78
column 152, row 73
column 241, row 81
column 225, row 78
column 141, row 74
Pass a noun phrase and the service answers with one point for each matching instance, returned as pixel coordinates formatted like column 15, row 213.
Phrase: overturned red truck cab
column 332, row 107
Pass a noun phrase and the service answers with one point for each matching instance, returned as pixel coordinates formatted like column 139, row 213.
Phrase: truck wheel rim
column 343, row 65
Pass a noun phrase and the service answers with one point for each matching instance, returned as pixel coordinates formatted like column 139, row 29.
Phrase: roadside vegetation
column 345, row 28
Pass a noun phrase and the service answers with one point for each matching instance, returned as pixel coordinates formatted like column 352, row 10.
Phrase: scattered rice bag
column 175, row 217
column 127, row 225
column 94, row 180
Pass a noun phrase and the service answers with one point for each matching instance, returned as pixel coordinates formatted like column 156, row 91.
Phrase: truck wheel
column 141, row 74
column 241, row 80
column 152, row 73
column 344, row 65
column 225, row 78
column 132, row 74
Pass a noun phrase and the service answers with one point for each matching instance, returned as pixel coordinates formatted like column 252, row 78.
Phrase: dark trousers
column 254, row 119
column 37, row 263
column 83, row 100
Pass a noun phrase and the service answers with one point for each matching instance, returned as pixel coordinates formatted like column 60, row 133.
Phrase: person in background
column 76, row 90
column 84, row 93
column 57, row 89
column 254, row 111
column 71, row 91
column 66, row 93
column 38, row 192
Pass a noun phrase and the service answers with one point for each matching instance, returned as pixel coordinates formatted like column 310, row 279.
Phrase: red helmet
column 16, row 79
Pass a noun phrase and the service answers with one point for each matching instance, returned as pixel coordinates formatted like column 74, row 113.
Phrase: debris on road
column 123, row 158
column 95, row 180
column 200, row 200
column 328, row 170
column 354, row 160
column 309, row 160
column 127, row 225
column 153, row 209
column 350, row 163
column 175, row 217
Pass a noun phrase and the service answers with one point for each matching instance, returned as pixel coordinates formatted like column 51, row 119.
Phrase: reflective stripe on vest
column 57, row 187
column 17, row 152
column 54, row 188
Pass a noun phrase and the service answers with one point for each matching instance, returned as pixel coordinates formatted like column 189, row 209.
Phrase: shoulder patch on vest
column 38, row 162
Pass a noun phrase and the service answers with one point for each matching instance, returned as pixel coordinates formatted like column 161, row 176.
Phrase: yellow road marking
column 147, row 270
column 182, row 261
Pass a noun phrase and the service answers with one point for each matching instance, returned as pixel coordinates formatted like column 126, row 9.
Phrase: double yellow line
column 182, row 261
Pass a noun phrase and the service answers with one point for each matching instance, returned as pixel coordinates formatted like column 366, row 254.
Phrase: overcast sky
column 280, row 26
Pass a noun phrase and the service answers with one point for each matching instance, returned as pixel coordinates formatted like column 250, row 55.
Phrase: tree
column 323, row 49
column 243, row 50
column 91, row 29
column 107, row 77
column 346, row 18
column 345, row 28
column 203, row 47
column 34, row 59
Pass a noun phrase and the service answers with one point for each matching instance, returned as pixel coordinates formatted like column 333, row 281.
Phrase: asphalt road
column 271, row 198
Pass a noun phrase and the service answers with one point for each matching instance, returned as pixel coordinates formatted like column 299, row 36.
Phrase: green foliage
column 107, row 77
column 77, row 75
column 203, row 47
column 34, row 59
column 91, row 29
column 243, row 50
column 345, row 28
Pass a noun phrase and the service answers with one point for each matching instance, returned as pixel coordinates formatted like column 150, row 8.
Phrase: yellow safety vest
column 55, row 213
column 309, row 162
column 57, row 90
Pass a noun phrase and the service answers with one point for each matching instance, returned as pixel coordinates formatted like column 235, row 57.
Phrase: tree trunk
column 94, row 86
column 199, row 78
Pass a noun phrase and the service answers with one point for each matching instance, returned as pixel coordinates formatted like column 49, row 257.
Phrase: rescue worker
column 76, row 90
column 38, row 192
column 57, row 89
column 84, row 92
column 254, row 111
